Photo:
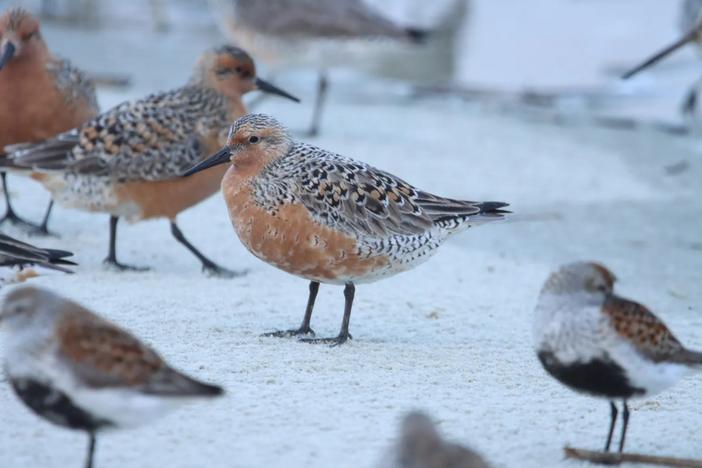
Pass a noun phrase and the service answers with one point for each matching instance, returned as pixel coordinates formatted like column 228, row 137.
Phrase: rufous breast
column 292, row 240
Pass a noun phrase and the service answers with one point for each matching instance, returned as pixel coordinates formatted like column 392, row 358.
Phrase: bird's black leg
column 208, row 266
column 322, row 87
column 344, row 335
column 305, row 326
column 625, row 425
column 689, row 104
column 111, row 259
column 611, row 425
column 91, row 450
column 43, row 228
column 10, row 214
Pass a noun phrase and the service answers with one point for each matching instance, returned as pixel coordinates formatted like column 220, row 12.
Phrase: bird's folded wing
column 364, row 201
column 102, row 355
column 649, row 335
column 151, row 139
column 14, row 252
column 317, row 18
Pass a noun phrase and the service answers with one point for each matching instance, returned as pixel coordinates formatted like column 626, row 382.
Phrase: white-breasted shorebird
column 20, row 254
column 127, row 161
column 603, row 345
column 328, row 218
column 421, row 446
column 326, row 34
column 79, row 371
column 40, row 95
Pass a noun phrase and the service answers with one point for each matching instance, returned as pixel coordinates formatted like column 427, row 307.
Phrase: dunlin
column 79, row 371
column 127, row 161
column 329, row 33
column 421, row 446
column 17, row 253
column 328, row 218
column 600, row 344
column 40, row 95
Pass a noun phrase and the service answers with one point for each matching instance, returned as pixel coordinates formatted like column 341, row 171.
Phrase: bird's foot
column 213, row 270
column 30, row 228
column 290, row 333
column 336, row 341
column 113, row 264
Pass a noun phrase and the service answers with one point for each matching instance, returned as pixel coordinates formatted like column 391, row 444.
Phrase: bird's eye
column 222, row 71
column 601, row 288
column 238, row 69
column 254, row 139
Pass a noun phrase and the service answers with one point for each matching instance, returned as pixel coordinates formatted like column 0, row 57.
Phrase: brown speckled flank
column 328, row 218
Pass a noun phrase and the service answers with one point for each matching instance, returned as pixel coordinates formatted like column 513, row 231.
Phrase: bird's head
column 231, row 71
column 19, row 36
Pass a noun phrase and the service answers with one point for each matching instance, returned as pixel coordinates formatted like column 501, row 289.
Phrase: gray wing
column 362, row 200
column 326, row 18
column 74, row 84
column 150, row 139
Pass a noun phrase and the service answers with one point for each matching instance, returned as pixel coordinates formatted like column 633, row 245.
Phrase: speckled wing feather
column 151, row 139
column 73, row 83
column 650, row 336
column 363, row 201
column 316, row 18
column 102, row 355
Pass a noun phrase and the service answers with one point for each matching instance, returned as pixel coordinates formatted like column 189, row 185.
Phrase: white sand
column 452, row 337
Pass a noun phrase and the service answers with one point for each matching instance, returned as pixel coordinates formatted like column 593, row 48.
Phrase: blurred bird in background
column 40, row 95
column 328, row 34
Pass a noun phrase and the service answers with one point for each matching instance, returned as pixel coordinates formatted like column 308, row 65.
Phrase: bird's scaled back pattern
column 315, row 19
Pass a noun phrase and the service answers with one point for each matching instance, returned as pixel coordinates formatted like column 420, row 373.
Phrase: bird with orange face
column 40, row 95
column 327, row 218
column 127, row 161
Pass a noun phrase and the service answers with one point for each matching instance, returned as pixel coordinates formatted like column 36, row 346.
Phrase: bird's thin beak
column 7, row 54
column 663, row 53
column 266, row 87
column 220, row 157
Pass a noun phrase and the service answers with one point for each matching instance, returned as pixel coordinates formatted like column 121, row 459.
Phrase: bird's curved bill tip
column 655, row 58
column 220, row 157
column 266, row 87
column 7, row 54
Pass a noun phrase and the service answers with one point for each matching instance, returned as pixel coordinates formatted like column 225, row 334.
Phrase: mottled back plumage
column 154, row 138
column 646, row 332
column 354, row 197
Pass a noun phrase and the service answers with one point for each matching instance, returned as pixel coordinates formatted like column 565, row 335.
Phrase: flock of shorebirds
column 310, row 212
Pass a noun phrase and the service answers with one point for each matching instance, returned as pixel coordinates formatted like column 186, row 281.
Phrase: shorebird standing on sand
column 40, row 95
column 127, row 161
column 324, row 34
column 328, row 218
column 421, row 446
column 77, row 370
column 600, row 344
